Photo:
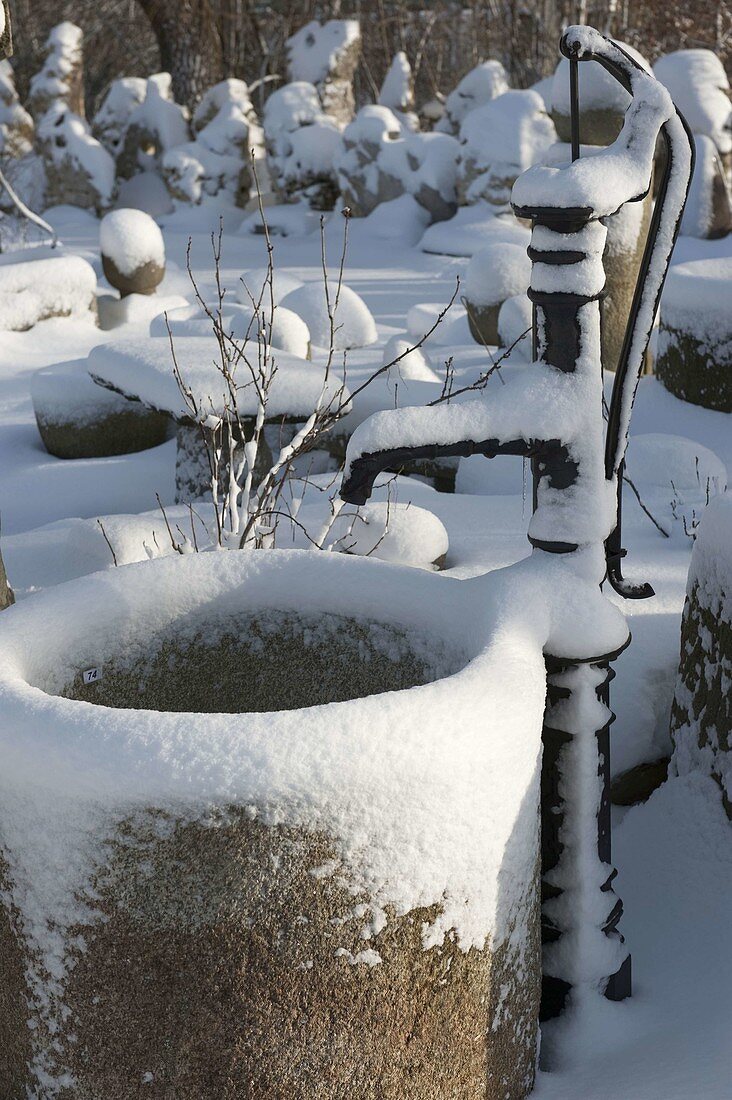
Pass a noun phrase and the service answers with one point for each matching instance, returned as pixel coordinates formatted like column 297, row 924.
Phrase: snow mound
column 414, row 363
column 34, row 290
column 146, row 191
column 496, row 273
column 483, row 83
column 658, row 460
column 514, row 318
column 286, row 332
column 254, row 283
column 401, row 533
column 131, row 239
column 354, row 327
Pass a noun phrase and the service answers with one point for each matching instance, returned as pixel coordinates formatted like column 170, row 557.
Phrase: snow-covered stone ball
column 415, row 363
column 354, row 326
column 287, row 331
column 254, row 283
column 494, row 274
column 394, row 532
column 133, row 251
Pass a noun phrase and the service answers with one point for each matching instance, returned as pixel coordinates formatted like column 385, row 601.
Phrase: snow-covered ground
column 674, row 853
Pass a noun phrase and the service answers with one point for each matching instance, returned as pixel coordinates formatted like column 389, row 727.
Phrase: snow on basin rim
column 422, row 789
column 700, row 286
column 142, row 368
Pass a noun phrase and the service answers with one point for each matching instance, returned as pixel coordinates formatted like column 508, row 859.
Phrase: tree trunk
column 190, row 45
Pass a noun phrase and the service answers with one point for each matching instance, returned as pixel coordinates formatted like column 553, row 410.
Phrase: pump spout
column 358, row 483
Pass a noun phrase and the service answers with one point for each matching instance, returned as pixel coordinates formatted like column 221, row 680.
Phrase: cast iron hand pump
column 552, row 413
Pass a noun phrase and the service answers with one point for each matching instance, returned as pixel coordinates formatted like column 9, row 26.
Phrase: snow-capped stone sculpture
column 62, row 75
column 16, row 125
column 354, row 325
column 327, row 55
column 482, row 84
column 700, row 88
column 362, row 180
column 79, row 171
column 694, row 356
column 133, row 252
column 110, row 123
column 218, row 161
column 302, row 142
column 708, row 213
column 397, row 90
column 701, row 716
column 78, row 419
column 381, row 160
column 154, row 126
column 603, row 102
column 495, row 273
column 498, row 142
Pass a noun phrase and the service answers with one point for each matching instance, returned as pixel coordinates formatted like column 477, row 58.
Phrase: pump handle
column 585, row 44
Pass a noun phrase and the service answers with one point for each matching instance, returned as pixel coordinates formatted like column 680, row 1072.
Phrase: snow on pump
column 552, row 414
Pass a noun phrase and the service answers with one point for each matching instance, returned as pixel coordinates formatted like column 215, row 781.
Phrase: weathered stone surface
column 694, row 354
column 701, row 716
column 598, row 125
column 696, row 370
column 219, row 973
column 626, row 237
column 483, row 322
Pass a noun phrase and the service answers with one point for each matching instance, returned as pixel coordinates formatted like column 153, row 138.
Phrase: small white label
column 92, row 675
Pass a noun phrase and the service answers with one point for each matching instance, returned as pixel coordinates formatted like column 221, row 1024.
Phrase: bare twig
column 109, row 544
column 651, row 517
